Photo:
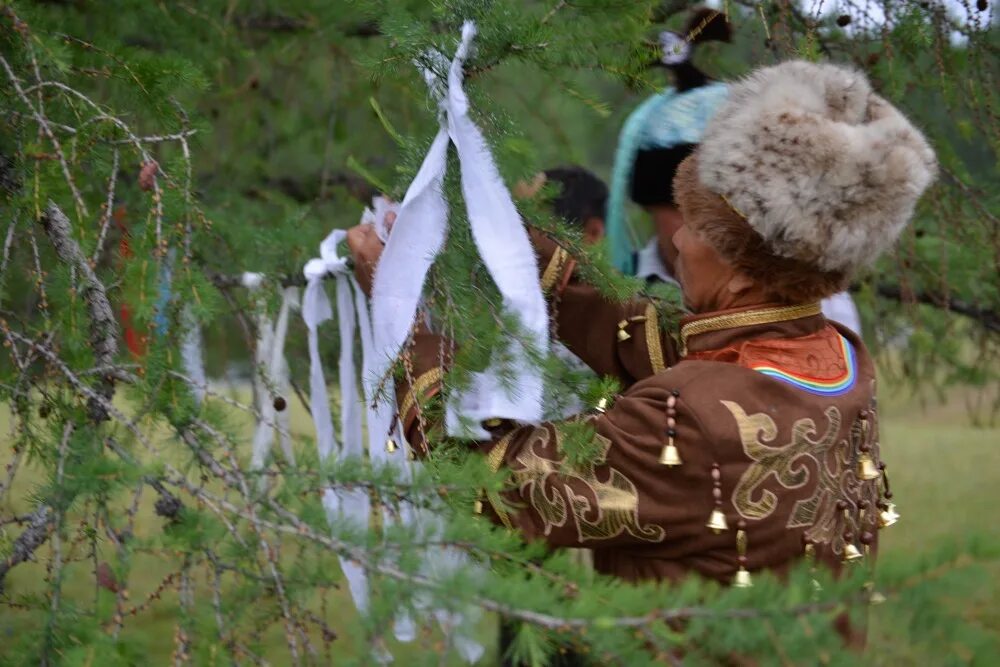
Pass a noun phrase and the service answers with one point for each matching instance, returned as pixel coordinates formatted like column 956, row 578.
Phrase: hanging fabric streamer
column 192, row 357
column 343, row 504
column 417, row 237
column 161, row 318
column 503, row 244
column 271, row 376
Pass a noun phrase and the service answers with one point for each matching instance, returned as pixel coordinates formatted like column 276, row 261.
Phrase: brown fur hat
column 787, row 280
column 825, row 171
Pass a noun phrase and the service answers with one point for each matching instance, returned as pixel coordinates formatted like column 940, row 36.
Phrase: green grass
column 943, row 472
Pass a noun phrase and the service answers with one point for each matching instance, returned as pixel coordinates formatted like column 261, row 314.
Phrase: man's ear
column 740, row 283
column 593, row 229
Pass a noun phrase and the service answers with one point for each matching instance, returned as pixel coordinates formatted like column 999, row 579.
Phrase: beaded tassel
column 717, row 520
column 670, row 456
column 742, row 578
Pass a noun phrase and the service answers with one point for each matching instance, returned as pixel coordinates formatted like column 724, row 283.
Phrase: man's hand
column 366, row 249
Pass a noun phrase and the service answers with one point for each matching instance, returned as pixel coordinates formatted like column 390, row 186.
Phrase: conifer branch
column 103, row 326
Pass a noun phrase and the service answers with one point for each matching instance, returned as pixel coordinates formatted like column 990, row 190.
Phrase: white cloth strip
column 192, row 356
column 350, row 505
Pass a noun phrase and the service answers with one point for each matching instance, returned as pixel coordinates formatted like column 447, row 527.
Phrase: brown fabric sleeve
column 422, row 382
column 589, row 325
column 622, row 496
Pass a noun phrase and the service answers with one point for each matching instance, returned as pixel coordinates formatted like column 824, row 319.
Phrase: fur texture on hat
column 786, row 280
column 823, row 169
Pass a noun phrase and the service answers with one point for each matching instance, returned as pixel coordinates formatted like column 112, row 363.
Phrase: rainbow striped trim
column 835, row 387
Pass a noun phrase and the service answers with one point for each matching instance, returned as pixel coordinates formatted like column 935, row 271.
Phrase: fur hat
column 822, row 168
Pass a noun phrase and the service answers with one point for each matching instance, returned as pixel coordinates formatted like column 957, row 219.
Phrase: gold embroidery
column 653, row 340
column 789, row 464
column 747, row 318
column 420, row 386
column 600, row 509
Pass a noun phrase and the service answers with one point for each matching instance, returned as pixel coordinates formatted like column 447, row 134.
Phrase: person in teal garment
column 656, row 138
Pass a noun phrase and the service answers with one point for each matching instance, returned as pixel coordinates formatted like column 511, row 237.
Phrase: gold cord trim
column 494, row 460
column 418, row 388
column 653, row 340
column 497, row 504
column 554, row 269
column 747, row 318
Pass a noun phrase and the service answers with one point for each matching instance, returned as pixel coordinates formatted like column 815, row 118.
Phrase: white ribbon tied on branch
column 352, row 505
column 503, row 244
column 271, row 375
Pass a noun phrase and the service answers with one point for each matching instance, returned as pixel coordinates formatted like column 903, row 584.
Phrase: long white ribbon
column 351, row 505
column 192, row 357
column 271, row 374
column 503, row 244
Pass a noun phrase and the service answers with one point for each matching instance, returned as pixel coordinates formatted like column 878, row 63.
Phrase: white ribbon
column 272, row 374
column 191, row 355
column 417, row 238
column 352, row 505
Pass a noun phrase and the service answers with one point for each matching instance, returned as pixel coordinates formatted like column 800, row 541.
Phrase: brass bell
column 876, row 598
column 669, row 456
column 717, row 521
column 602, row 405
column 622, row 334
column 742, row 579
column 852, row 553
column 867, row 470
column 888, row 516
column 477, row 507
column 390, row 445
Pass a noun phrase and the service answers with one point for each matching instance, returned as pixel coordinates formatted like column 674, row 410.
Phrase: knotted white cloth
column 418, row 236
column 353, row 317
column 352, row 505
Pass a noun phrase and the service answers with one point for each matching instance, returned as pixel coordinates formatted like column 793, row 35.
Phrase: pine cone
column 168, row 506
column 147, row 175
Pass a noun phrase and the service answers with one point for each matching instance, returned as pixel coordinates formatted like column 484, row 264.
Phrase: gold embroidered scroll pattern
column 600, row 509
column 789, row 464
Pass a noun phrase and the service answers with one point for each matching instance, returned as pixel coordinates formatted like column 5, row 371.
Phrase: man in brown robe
column 748, row 437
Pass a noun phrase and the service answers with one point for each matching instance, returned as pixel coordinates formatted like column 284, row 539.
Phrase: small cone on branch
column 106, row 577
column 147, row 175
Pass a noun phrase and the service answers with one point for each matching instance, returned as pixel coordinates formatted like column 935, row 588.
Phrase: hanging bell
column 742, row 579
column 602, row 405
column 888, row 516
column 867, row 470
column 717, row 521
column 390, row 445
column 477, row 507
column 622, row 334
column 670, row 456
column 852, row 553
column 875, row 598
